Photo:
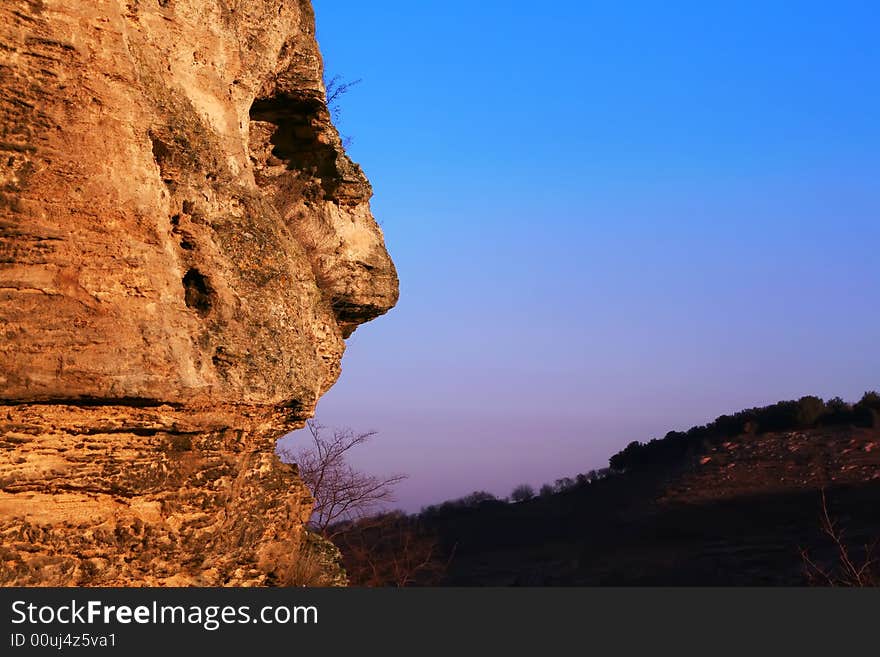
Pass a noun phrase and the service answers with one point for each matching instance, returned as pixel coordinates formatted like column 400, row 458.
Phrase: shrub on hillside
column 522, row 493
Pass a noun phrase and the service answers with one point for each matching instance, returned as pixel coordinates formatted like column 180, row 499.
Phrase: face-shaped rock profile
column 184, row 246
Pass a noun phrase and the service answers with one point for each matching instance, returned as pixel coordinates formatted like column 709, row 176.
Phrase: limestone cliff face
column 184, row 246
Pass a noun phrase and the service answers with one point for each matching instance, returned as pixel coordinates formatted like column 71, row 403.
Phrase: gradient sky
column 610, row 220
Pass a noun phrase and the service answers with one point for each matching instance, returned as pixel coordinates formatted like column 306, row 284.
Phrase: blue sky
column 610, row 220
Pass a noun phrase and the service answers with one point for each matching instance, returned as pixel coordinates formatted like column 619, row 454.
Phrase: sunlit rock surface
column 184, row 245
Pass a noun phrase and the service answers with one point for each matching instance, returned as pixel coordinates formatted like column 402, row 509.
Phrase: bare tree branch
column 336, row 88
column 341, row 493
column 391, row 549
column 847, row 572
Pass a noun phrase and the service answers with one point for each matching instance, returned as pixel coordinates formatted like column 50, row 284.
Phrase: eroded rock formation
column 184, row 246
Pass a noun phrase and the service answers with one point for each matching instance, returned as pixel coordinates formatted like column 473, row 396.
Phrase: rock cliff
column 184, row 246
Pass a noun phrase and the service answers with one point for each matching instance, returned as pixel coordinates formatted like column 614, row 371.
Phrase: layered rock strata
column 184, row 246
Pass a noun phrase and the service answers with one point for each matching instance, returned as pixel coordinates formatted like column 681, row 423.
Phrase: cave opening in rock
column 198, row 293
column 296, row 139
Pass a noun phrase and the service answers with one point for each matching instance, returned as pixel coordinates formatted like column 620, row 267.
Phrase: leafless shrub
column 391, row 549
column 336, row 88
column 849, row 570
column 341, row 493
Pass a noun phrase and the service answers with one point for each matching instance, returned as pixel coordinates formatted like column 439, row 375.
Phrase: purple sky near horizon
column 609, row 222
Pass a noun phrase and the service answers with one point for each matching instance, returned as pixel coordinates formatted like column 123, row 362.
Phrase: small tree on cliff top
column 335, row 88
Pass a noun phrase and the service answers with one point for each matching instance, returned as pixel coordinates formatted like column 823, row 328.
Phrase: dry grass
column 307, row 570
column 318, row 562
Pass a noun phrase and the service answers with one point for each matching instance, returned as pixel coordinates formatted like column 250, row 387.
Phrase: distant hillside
column 736, row 502
column 805, row 413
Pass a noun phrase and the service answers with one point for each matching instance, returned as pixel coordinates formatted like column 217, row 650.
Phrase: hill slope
column 739, row 511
